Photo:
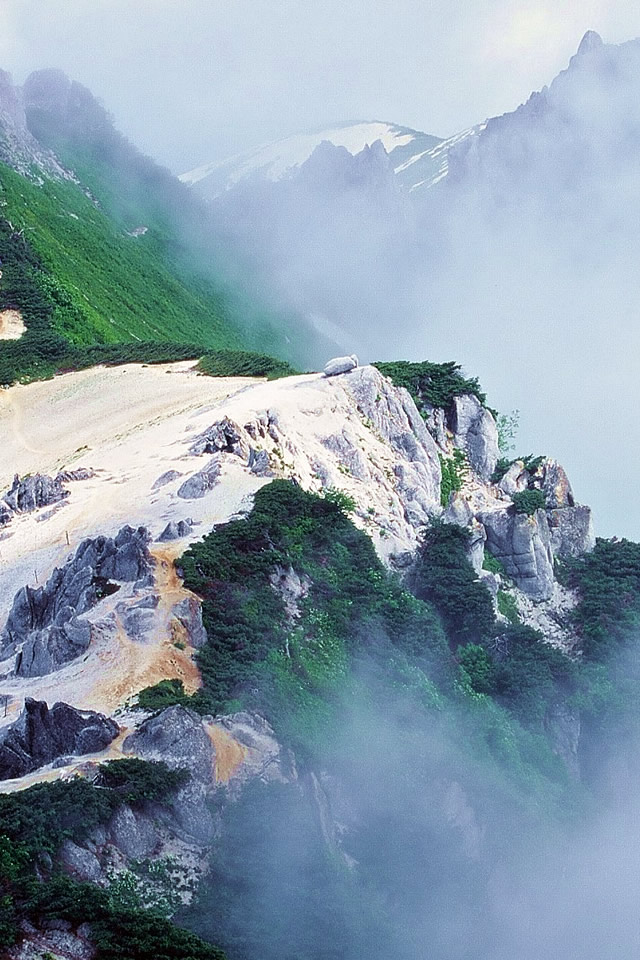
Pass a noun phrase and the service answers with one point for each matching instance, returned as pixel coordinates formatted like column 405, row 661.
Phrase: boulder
column 175, row 531
column 475, row 433
column 199, row 484
column 40, row 735
column 340, row 365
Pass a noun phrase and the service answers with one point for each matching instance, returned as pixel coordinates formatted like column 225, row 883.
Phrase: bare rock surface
column 476, row 433
column 46, row 620
column 41, row 735
column 523, row 545
column 199, row 484
column 340, row 365
column 30, row 493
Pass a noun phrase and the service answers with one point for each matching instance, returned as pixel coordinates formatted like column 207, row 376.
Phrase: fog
column 200, row 80
column 442, row 853
column 521, row 265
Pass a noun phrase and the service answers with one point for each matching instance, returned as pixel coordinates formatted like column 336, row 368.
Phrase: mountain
column 100, row 246
column 519, row 236
column 282, row 158
column 307, row 665
column 281, row 654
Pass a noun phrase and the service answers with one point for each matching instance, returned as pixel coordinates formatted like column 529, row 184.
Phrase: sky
column 193, row 81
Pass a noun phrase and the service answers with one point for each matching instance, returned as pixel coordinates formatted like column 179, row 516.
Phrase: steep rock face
column 188, row 613
column 563, row 727
column 523, row 546
column 221, row 755
column 571, row 530
column 555, row 485
column 476, row 433
column 41, row 735
column 394, row 415
column 46, row 620
column 18, row 148
column 261, row 756
column 178, row 737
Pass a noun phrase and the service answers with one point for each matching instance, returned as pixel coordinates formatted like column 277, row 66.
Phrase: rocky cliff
column 160, row 456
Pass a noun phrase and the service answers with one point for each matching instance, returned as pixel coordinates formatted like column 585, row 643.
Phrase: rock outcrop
column 175, row 531
column 475, row 432
column 178, row 737
column 199, row 484
column 30, row 493
column 395, row 417
column 523, row 545
column 45, row 621
column 41, row 735
column 224, row 436
column 571, row 530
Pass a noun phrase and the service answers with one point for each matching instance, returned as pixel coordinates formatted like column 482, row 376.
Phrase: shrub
column 529, row 501
column 492, row 564
column 137, row 781
column 477, row 668
column 453, row 470
column 294, row 672
column 446, row 579
column 435, row 384
column 508, row 607
column 532, row 675
column 241, row 363
column 608, row 583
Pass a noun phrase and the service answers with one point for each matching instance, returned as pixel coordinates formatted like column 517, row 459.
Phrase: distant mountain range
column 419, row 159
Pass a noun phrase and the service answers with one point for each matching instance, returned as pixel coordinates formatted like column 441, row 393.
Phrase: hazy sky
column 198, row 80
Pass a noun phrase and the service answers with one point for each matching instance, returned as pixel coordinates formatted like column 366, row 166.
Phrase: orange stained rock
column 229, row 753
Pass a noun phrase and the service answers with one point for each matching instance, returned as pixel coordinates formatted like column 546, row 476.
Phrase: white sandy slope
column 130, row 425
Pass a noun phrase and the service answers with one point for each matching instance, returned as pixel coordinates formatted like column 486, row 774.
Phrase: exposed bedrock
column 393, row 415
column 523, row 546
column 475, row 432
column 41, row 735
column 30, row 493
column 571, row 530
column 178, row 737
column 45, row 620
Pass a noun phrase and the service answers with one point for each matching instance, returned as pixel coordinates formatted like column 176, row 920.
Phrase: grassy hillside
column 109, row 287
column 114, row 265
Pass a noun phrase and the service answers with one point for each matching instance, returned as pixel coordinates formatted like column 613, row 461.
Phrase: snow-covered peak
column 279, row 159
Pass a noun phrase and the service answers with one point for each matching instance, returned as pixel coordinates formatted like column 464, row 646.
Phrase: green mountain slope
column 118, row 252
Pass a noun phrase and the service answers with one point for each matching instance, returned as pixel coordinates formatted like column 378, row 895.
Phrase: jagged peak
column 591, row 41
